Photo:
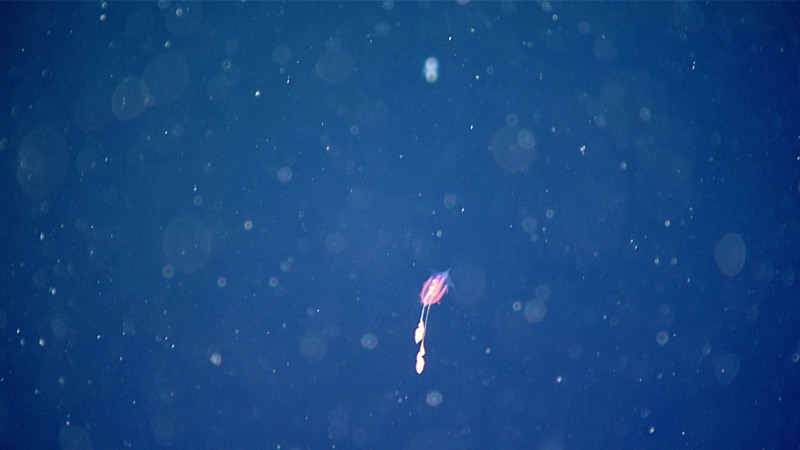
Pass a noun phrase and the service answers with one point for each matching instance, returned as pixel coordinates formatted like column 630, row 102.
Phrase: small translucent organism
column 432, row 292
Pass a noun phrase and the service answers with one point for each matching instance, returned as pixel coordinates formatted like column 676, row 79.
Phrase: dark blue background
column 138, row 139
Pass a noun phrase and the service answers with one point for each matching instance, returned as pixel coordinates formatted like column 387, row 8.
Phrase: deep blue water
column 217, row 219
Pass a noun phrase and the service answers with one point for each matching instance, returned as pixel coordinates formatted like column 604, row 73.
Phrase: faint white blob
column 431, row 69
column 450, row 201
column 313, row 349
column 729, row 254
column 766, row 271
column 163, row 430
column 574, row 351
column 543, row 291
column 513, row 149
column 42, row 162
column 337, row 424
column 281, row 55
column 335, row 243
column 360, row 435
column 216, row 359
column 529, row 224
column 383, row 29
column 360, row 198
column 726, row 368
column 434, row 398
column 334, row 67
column 168, row 271
column 86, row 161
column 303, row 245
column 687, row 16
column 645, row 115
column 73, row 437
column 604, row 49
column 130, row 98
column 526, row 139
column 59, row 323
column 535, row 311
column 369, row 341
column 787, row 277
column 285, row 174
column 332, row 331
column 128, row 328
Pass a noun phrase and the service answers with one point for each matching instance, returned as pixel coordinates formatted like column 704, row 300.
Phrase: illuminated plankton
column 432, row 292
